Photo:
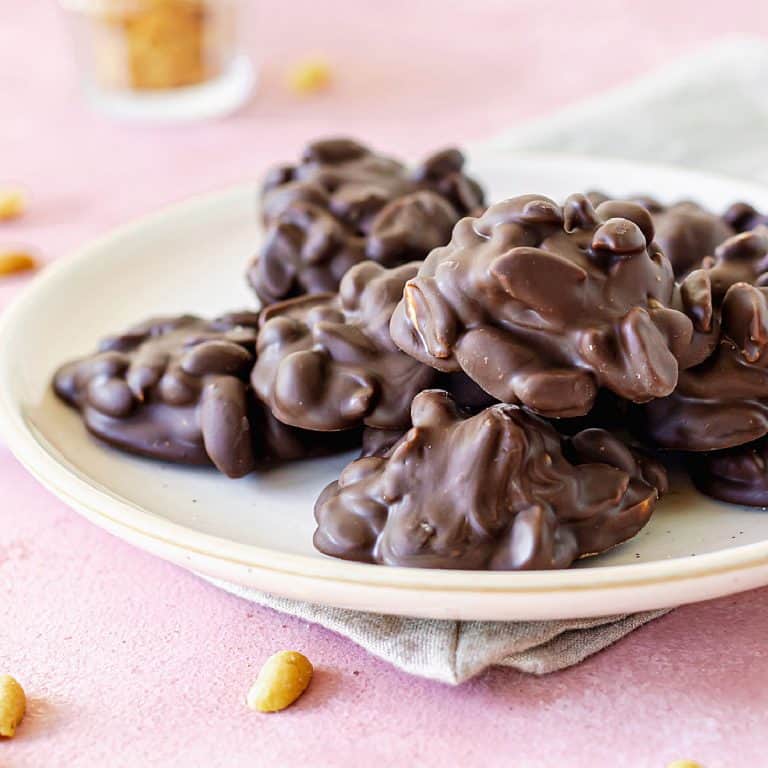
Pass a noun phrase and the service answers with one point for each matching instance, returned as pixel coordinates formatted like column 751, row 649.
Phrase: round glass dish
column 163, row 59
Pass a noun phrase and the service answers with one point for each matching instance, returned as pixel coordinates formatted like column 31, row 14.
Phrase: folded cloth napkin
column 454, row 651
column 681, row 114
column 707, row 110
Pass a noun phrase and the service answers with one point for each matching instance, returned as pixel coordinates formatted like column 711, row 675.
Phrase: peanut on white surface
column 282, row 679
column 13, row 704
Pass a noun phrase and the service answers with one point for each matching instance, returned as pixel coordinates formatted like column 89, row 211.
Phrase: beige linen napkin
column 454, row 651
column 708, row 111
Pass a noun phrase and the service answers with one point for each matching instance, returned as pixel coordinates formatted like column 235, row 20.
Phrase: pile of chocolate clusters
column 514, row 375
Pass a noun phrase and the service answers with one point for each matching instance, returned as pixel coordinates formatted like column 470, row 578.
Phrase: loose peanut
column 13, row 704
column 310, row 76
column 283, row 678
column 12, row 262
column 11, row 204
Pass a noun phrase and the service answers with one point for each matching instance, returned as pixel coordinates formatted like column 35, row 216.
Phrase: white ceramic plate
column 258, row 531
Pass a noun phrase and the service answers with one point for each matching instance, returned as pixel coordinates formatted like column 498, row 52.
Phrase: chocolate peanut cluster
column 499, row 490
column 176, row 388
column 327, row 362
column 543, row 305
column 355, row 183
column 344, row 203
column 722, row 402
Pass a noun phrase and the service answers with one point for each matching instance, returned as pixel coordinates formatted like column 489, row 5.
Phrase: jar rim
column 97, row 7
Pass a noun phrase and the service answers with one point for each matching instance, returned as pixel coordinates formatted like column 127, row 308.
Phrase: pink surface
column 129, row 661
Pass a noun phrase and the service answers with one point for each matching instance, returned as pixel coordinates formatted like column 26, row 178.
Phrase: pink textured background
column 129, row 661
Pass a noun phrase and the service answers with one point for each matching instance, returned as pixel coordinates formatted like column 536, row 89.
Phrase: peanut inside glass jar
column 156, row 47
column 157, row 44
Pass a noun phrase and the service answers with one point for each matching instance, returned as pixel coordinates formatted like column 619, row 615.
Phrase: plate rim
column 116, row 512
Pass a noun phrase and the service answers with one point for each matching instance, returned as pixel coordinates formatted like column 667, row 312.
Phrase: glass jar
column 163, row 59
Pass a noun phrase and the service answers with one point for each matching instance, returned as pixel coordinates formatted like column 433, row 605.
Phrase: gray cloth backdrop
column 706, row 111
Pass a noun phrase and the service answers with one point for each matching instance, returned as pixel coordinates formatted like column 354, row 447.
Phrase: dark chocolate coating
column 326, row 362
column 354, row 183
column 743, row 217
column 723, row 402
column 686, row 232
column 409, row 227
column 176, row 389
column 344, row 203
column 467, row 395
column 737, row 475
column 544, row 304
column 307, row 250
column 443, row 172
column 341, row 175
column 378, row 442
column 500, row 490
